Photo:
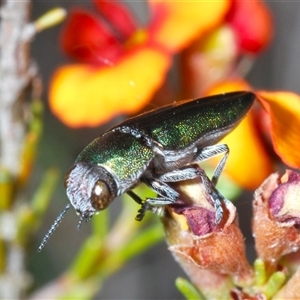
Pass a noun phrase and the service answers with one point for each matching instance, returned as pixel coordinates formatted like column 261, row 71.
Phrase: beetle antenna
column 52, row 228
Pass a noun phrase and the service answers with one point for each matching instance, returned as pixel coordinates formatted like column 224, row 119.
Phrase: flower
column 277, row 217
column 213, row 255
column 119, row 73
column 266, row 136
column 116, row 74
column 215, row 64
column 224, row 52
column 252, row 34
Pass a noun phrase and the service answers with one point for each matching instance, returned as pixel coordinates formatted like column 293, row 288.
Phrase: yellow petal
column 176, row 23
column 249, row 162
column 82, row 95
column 284, row 111
column 228, row 86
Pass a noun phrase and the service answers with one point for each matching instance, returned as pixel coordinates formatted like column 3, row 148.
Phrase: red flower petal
column 87, row 39
column 119, row 16
column 252, row 22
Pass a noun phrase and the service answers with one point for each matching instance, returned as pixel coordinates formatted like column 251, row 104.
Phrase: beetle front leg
column 138, row 200
column 166, row 193
column 144, row 206
column 168, row 196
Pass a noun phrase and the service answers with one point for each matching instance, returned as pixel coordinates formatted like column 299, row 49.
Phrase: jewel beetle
column 155, row 148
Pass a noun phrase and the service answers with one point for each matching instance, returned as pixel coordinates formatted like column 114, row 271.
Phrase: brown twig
column 17, row 88
column 17, row 74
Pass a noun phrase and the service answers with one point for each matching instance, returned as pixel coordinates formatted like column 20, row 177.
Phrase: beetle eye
column 101, row 196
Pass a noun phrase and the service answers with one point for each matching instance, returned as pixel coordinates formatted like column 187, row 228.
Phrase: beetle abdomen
column 178, row 125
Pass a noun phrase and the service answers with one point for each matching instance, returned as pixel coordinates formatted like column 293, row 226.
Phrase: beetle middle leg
column 192, row 173
column 211, row 151
column 168, row 195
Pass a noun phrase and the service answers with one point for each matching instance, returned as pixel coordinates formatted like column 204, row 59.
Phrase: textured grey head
column 90, row 188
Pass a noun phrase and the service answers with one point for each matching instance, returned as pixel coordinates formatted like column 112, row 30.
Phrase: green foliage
column 187, row 289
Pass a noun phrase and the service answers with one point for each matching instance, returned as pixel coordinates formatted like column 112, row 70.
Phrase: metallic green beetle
column 155, row 148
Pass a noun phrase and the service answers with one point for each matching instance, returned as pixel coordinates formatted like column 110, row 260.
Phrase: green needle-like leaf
column 31, row 216
column 87, row 260
column 142, row 241
column 187, row 289
column 100, row 224
column 6, row 189
column 43, row 194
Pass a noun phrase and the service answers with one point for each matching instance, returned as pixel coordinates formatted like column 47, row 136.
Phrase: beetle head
column 90, row 188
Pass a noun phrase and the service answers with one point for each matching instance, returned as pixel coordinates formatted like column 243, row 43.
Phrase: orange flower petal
column 228, row 86
column 175, row 23
column 81, row 95
column 284, row 111
column 248, row 163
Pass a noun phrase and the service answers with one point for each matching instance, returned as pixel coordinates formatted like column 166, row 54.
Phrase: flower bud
column 211, row 254
column 277, row 216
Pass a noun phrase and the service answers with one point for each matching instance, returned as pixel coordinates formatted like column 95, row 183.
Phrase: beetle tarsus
column 158, row 210
column 210, row 188
column 141, row 212
column 218, row 208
